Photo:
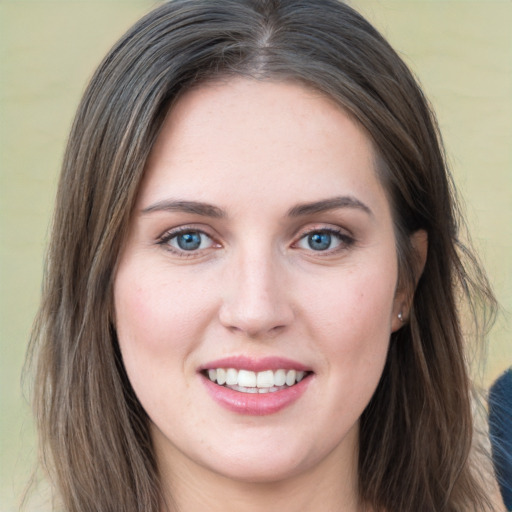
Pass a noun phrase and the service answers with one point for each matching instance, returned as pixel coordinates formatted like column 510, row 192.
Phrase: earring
column 401, row 317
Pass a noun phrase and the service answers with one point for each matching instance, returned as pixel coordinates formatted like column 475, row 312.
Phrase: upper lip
column 255, row 364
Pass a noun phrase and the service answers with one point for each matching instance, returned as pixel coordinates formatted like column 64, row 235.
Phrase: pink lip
column 255, row 365
column 255, row 404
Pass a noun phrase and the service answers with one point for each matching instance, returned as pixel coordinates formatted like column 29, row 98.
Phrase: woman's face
column 261, row 252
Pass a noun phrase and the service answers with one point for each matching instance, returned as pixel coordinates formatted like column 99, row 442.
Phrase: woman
column 250, row 300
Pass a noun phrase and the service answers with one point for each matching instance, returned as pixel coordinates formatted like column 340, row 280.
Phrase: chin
column 263, row 471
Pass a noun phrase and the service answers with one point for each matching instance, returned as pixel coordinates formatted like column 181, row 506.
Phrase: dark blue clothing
column 500, row 430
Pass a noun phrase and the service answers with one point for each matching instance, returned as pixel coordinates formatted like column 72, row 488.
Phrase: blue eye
column 319, row 241
column 323, row 240
column 188, row 241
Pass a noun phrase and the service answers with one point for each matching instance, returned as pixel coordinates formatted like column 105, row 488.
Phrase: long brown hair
column 416, row 432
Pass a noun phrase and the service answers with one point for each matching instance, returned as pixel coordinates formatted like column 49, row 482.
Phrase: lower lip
column 256, row 404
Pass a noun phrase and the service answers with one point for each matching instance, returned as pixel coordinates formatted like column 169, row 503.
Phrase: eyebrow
column 194, row 207
column 209, row 210
column 328, row 204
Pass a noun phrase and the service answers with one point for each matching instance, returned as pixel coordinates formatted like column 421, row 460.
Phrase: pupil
column 319, row 241
column 189, row 241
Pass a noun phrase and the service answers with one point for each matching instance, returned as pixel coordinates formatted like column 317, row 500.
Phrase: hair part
column 416, row 432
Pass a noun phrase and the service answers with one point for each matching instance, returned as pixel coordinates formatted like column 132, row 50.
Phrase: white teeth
column 255, row 382
column 280, row 378
column 265, row 379
column 256, row 390
column 231, row 377
column 221, row 376
column 244, row 389
column 246, row 379
column 290, row 377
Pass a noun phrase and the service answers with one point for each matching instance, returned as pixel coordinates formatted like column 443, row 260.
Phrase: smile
column 255, row 387
column 247, row 381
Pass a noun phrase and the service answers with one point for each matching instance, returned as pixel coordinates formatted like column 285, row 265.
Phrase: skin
column 255, row 287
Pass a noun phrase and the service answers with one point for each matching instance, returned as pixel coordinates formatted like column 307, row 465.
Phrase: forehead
column 255, row 137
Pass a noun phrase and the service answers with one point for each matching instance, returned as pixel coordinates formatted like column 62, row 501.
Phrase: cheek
column 360, row 299
column 158, row 322
column 156, row 317
column 351, row 322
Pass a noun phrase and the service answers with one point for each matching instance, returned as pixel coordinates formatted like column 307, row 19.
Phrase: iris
column 189, row 241
column 319, row 241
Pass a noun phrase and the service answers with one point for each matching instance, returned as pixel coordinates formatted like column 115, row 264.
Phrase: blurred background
column 461, row 51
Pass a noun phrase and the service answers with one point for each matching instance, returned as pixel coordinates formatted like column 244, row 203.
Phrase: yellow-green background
column 461, row 51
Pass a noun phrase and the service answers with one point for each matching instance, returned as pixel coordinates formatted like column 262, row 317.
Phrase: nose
column 255, row 299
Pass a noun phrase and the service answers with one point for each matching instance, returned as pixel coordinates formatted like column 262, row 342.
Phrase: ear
column 404, row 296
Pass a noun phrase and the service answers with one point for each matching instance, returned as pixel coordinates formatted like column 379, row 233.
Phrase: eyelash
column 345, row 241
